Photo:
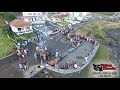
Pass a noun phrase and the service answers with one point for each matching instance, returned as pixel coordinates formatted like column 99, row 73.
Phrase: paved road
column 82, row 51
column 12, row 69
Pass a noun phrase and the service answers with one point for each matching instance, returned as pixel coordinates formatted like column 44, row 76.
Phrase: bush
column 7, row 16
column 79, row 57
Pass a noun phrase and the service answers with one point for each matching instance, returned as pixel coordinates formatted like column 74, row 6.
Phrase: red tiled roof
column 19, row 23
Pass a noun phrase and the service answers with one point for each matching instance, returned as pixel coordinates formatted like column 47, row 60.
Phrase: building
column 58, row 17
column 79, row 15
column 20, row 27
column 34, row 16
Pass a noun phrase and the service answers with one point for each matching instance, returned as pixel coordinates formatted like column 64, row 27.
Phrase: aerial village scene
column 59, row 44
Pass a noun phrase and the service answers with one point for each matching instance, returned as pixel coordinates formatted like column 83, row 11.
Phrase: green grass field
column 103, row 13
column 6, row 45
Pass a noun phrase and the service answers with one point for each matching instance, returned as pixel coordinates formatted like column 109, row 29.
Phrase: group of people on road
column 46, row 55
column 70, row 65
column 23, row 65
column 22, row 52
column 37, row 38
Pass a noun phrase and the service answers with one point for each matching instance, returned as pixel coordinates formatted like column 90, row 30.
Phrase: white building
column 34, row 16
column 20, row 27
column 79, row 15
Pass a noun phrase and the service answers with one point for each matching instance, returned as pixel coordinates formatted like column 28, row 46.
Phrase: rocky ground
column 45, row 73
column 112, row 41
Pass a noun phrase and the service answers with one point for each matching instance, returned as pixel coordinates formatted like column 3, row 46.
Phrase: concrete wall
column 14, row 29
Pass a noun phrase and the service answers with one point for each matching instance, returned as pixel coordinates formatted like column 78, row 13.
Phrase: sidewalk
column 32, row 71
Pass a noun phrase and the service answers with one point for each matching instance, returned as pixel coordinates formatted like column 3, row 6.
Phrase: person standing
column 86, row 58
column 18, row 53
column 60, row 55
column 22, row 53
column 45, row 48
column 21, row 67
column 37, row 48
column 52, row 55
column 35, row 56
column 25, row 65
column 75, row 65
column 21, row 61
column 44, row 56
column 25, row 52
column 25, row 42
column 56, row 64
column 57, row 54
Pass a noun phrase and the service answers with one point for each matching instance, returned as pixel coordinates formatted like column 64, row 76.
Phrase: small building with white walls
column 34, row 16
column 20, row 27
column 79, row 15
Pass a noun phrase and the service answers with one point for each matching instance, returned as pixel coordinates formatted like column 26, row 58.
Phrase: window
column 19, row 29
column 27, row 27
column 29, row 13
column 39, row 13
column 34, row 13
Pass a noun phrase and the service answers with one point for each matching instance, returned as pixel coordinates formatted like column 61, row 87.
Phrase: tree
column 7, row 16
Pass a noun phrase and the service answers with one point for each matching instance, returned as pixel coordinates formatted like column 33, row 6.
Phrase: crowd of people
column 69, row 65
column 45, row 55
column 23, row 51
column 23, row 65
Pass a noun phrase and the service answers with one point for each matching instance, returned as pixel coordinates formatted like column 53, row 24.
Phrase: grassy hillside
column 97, row 27
column 103, row 13
column 102, row 55
column 6, row 45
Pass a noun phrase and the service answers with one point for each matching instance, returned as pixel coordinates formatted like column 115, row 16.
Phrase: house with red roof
column 20, row 27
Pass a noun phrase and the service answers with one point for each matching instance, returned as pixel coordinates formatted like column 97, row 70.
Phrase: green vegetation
column 7, row 16
column 25, row 36
column 97, row 27
column 6, row 45
column 79, row 57
column 103, row 13
column 101, row 56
